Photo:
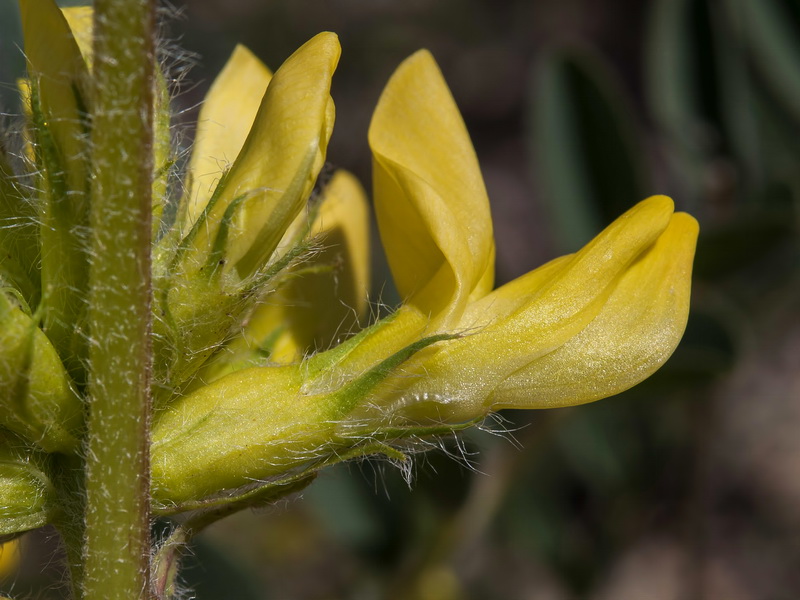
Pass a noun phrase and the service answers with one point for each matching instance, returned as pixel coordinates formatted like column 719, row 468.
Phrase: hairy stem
column 117, row 539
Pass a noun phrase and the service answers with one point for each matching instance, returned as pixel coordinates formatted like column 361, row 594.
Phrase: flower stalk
column 117, row 542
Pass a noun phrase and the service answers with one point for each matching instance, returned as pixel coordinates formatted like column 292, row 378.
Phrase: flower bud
column 205, row 282
column 37, row 400
column 25, row 490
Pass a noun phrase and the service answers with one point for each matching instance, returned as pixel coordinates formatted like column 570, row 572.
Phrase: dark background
column 688, row 486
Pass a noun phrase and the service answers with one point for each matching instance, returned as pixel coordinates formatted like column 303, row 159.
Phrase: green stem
column 117, row 538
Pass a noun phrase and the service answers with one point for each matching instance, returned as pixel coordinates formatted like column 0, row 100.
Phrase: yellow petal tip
column 659, row 203
column 327, row 42
column 687, row 222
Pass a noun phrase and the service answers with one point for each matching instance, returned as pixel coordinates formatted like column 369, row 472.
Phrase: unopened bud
column 36, row 400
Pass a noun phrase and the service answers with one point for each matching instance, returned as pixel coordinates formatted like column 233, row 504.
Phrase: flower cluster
column 260, row 272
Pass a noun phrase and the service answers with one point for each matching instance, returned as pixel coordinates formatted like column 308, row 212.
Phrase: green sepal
column 15, row 277
column 196, row 316
column 354, row 393
column 287, row 267
column 264, row 493
column 163, row 159
column 266, row 423
column 60, row 105
column 63, row 215
column 200, row 308
column 57, row 68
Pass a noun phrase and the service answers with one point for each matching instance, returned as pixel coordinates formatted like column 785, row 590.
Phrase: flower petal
column 326, row 302
column 225, row 119
column 638, row 328
column 430, row 199
column 543, row 309
column 584, row 283
column 279, row 162
column 530, row 317
column 79, row 19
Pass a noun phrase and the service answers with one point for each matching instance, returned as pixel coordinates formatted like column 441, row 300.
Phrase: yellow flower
column 9, row 558
column 272, row 169
column 580, row 328
column 430, row 201
column 249, row 181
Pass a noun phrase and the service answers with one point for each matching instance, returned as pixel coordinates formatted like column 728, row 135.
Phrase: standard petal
column 638, row 328
column 430, row 199
column 225, row 119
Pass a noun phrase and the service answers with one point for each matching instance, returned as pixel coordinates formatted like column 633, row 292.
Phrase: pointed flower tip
column 682, row 236
column 241, row 52
column 419, row 66
column 661, row 202
column 325, row 43
column 687, row 222
column 683, row 224
column 642, row 223
column 655, row 207
column 422, row 57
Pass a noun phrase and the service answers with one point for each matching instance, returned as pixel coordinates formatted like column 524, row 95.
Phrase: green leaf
column 773, row 38
column 57, row 68
column 672, row 69
column 737, row 99
column 585, row 143
column 681, row 88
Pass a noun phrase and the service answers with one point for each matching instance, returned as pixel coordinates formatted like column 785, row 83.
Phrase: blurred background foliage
column 688, row 486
